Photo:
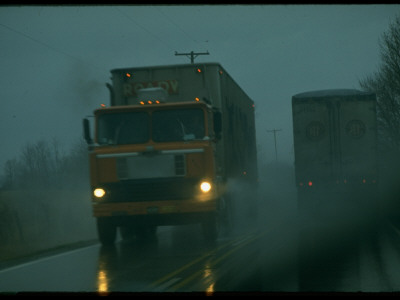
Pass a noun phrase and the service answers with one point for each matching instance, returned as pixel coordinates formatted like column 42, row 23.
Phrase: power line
column 48, row 46
column 177, row 26
column 192, row 54
column 144, row 28
column 274, row 131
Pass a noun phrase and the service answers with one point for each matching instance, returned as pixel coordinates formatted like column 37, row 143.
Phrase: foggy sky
column 55, row 61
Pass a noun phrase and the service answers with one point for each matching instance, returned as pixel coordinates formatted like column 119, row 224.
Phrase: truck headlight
column 205, row 186
column 99, row 193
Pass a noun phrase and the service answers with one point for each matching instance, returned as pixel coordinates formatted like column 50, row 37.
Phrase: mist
column 56, row 61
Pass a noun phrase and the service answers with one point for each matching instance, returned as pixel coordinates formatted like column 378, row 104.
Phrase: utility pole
column 192, row 54
column 274, row 131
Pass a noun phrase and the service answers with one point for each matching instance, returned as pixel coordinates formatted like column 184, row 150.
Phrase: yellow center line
column 216, row 261
column 174, row 273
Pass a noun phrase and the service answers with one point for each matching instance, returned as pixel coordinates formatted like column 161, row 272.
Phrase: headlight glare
column 99, row 193
column 205, row 186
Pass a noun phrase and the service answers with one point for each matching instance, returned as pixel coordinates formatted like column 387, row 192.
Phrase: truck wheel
column 127, row 232
column 210, row 229
column 107, row 231
column 225, row 215
column 146, row 232
column 152, row 230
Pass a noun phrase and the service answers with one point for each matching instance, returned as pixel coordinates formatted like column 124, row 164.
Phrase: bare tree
column 43, row 164
column 35, row 163
column 385, row 83
column 76, row 166
column 11, row 173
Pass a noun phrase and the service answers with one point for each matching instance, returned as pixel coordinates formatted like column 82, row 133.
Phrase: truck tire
column 210, row 229
column 107, row 231
column 127, row 232
column 146, row 232
column 225, row 216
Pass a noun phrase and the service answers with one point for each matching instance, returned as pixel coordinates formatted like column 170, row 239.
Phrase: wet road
column 260, row 255
column 176, row 260
column 251, row 260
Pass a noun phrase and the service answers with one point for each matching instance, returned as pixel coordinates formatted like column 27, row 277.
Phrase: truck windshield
column 123, row 128
column 178, row 125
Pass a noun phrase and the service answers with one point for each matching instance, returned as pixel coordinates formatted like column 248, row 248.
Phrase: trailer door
column 358, row 139
column 311, row 118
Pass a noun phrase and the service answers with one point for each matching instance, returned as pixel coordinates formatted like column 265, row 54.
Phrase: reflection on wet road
column 178, row 260
column 259, row 255
column 252, row 259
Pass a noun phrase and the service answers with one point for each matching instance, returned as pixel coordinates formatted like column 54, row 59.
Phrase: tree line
column 385, row 83
column 45, row 164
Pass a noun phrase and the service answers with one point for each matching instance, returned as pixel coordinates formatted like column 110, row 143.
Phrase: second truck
column 165, row 149
column 335, row 142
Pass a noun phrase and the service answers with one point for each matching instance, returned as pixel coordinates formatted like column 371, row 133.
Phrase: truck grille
column 151, row 189
column 151, row 166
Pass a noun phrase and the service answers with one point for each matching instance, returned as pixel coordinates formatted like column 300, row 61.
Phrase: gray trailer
column 335, row 141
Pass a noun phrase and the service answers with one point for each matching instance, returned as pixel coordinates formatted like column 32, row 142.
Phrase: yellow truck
column 165, row 148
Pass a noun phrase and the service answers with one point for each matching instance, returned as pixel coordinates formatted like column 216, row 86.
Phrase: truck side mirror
column 112, row 94
column 217, row 124
column 86, row 131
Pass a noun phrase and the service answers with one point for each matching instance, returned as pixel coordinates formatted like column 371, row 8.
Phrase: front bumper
column 153, row 208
